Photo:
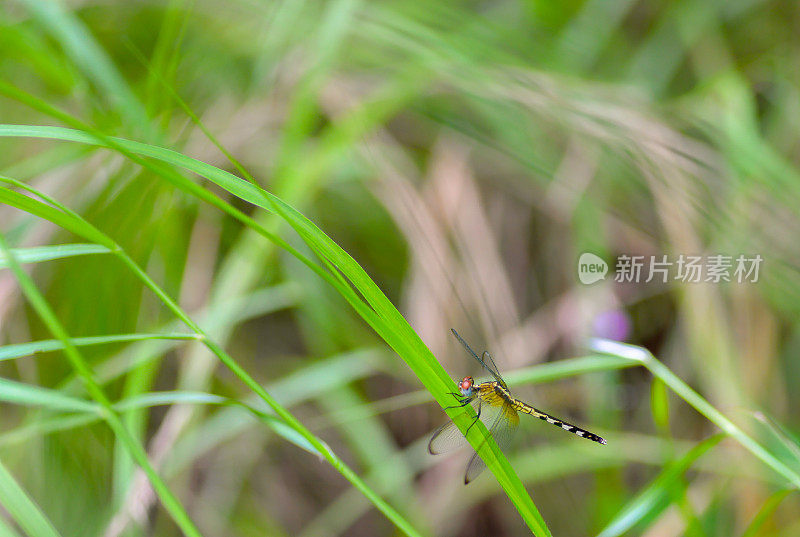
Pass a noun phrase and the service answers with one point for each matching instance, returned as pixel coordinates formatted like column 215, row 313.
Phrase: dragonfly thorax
column 466, row 386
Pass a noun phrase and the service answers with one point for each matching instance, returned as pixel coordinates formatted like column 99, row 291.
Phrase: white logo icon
column 591, row 268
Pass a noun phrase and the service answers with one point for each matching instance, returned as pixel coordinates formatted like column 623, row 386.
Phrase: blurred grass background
column 465, row 154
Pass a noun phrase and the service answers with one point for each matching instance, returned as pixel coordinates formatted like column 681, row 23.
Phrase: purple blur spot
column 612, row 324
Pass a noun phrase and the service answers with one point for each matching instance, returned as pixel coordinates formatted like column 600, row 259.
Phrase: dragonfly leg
column 461, row 404
column 476, row 417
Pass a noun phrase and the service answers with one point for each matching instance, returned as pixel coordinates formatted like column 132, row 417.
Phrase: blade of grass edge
column 655, row 497
column 659, row 370
column 137, row 452
column 40, row 254
column 291, row 422
column 398, row 334
column 21, row 508
column 19, row 350
column 402, row 338
column 765, row 512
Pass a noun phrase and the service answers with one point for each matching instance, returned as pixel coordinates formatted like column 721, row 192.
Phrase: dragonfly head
column 466, row 386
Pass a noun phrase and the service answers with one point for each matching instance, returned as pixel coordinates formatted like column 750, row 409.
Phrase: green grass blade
column 582, row 41
column 47, row 425
column 298, row 387
column 151, row 399
column 284, row 414
column 659, row 405
column 784, row 437
column 659, row 370
column 6, row 530
column 85, row 52
column 134, row 149
column 20, row 393
column 380, row 314
column 772, row 503
column 9, row 352
column 24, row 394
column 233, row 184
column 167, row 173
column 175, row 509
column 184, row 397
column 561, row 369
column 49, row 253
column 136, row 451
column 68, row 222
column 21, row 508
column 648, row 504
column 402, row 338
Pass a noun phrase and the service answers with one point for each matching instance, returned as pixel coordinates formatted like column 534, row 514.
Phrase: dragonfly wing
column 447, row 437
column 489, row 365
column 486, row 362
column 503, row 425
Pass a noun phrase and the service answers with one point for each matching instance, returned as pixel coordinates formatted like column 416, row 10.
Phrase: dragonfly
column 497, row 408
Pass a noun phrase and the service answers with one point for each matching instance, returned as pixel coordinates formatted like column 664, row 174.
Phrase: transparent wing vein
column 502, row 424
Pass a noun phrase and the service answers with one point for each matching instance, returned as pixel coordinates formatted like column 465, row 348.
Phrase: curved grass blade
column 84, row 50
column 151, row 399
column 135, row 449
column 569, row 367
column 18, row 350
column 21, row 508
column 227, row 360
column 772, row 503
column 643, row 357
column 378, row 311
column 649, row 503
column 47, row 425
column 48, row 253
column 68, row 222
column 6, row 530
column 20, row 393
column 24, row 394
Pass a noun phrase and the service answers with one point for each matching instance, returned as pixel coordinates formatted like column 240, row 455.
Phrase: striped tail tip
column 583, row 433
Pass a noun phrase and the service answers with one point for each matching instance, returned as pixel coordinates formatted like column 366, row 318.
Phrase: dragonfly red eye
column 466, row 383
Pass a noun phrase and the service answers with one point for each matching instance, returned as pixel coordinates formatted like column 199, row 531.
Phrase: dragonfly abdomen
column 525, row 408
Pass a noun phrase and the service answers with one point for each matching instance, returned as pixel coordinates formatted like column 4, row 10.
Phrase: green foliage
column 244, row 260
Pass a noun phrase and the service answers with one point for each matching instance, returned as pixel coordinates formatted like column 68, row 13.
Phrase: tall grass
column 232, row 242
